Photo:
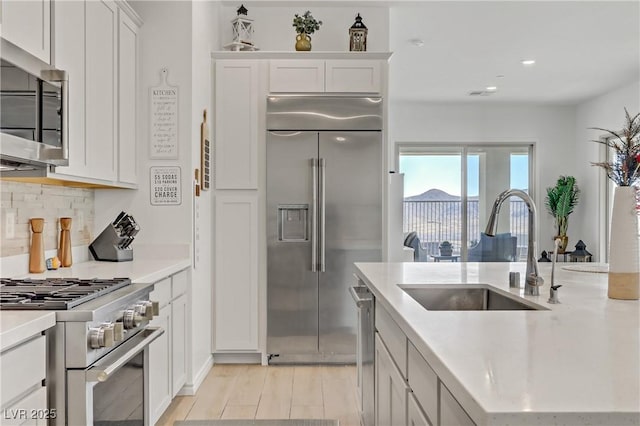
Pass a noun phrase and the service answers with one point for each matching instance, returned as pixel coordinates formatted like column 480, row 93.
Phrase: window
column 449, row 191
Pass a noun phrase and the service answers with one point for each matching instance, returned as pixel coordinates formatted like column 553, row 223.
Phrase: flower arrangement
column 306, row 24
column 624, row 170
column 560, row 201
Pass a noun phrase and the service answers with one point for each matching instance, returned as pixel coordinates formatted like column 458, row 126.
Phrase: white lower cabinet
column 23, row 397
column 168, row 354
column 160, row 366
column 415, row 416
column 391, row 392
column 451, row 412
column 421, row 400
column 235, row 311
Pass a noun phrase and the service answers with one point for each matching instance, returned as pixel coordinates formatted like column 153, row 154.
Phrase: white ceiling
column 582, row 49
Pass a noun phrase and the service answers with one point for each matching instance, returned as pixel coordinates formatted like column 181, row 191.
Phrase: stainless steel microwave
column 33, row 112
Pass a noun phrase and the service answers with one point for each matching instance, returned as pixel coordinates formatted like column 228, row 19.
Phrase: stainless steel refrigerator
column 324, row 212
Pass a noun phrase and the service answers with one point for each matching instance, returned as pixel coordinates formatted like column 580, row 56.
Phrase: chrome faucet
column 533, row 280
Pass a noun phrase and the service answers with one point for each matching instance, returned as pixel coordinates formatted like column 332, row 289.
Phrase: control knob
column 96, row 337
column 131, row 318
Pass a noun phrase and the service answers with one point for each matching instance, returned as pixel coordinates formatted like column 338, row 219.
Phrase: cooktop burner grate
column 54, row 293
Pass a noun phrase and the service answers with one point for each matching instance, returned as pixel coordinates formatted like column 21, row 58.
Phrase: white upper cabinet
column 236, row 124
column 27, row 24
column 101, row 88
column 68, row 55
column 361, row 76
column 296, row 75
column 96, row 42
column 325, row 76
column 127, row 90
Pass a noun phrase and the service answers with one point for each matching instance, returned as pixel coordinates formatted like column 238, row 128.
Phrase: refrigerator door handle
column 323, row 216
column 314, row 216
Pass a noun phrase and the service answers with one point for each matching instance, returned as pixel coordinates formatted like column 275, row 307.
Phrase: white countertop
column 577, row 363
column 16, row 326
column 157, row 264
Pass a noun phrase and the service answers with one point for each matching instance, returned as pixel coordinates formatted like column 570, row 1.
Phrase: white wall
column 273, row 28
column 606, row 111
column 205, row 40
column 550, row 128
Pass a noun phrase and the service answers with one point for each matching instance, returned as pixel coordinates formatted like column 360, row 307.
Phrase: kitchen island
column 571, row 363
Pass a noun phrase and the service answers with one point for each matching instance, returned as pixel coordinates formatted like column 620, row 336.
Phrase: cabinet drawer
column 161, row 292
column 30, row 410
column 355, row 76
column 424, row 382
column 393, row 337
column 451, row 412
column 22, row 368
column 179, row 284
column 296, row 76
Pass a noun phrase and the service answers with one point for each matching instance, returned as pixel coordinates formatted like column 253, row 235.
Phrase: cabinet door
column 296, row 76
column 359, row 76
column 101, row 88
column 178, row 343
column 415, row 416
column 127, row 106
column 160, row 365
column 27, row 24
column 451, row 412
column 236, row 272
column 69, row 55
column 236, row 138
column 391, row 389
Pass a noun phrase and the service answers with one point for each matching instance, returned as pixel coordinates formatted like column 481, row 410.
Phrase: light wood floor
column 271, row 392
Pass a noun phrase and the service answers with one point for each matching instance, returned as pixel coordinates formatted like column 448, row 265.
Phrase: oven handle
column 102, row 373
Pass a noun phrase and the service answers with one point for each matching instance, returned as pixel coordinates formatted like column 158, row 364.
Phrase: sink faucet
column 533, row 280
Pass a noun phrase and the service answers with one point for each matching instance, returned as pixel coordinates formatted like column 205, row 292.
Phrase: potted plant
column 305, row 25
column 560, row 201
column 624, row 171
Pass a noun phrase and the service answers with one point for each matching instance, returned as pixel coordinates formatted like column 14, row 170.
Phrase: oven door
column 115, row 389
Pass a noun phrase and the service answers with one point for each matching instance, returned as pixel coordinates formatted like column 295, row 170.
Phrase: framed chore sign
column 163, row 102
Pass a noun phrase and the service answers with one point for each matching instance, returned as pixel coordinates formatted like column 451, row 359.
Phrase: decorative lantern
column 358, row 36
column 242, row 32
column 580, row 254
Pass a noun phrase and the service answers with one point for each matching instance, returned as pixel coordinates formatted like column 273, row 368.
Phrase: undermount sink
column 467, row 298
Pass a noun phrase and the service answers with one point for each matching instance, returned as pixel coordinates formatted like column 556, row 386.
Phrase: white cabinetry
column 101, row 88
column 23, row 370
column 236, row 124
column 391, row 389
column 236, row 272
column 127, row 95
column 27, row 24
column 96, row 42
column 426, row 400
column 168, row 354
column 330, row 76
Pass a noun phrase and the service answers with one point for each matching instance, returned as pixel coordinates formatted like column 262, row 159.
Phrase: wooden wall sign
column 166, row 186
column 164, row 119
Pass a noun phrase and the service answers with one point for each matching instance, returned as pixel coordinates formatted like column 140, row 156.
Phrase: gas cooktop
column 54, row 293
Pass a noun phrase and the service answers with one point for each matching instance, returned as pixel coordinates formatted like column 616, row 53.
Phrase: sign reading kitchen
column 164, row 119
column 166, row 185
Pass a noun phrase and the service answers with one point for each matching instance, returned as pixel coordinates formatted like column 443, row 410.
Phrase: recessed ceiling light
column 500, row 76
column 491, row 88
column 340, row 138
column 417, row 42
column 528, row 61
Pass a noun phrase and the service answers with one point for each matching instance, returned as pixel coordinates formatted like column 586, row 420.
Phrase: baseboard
column 237, row 358
column 192, row 388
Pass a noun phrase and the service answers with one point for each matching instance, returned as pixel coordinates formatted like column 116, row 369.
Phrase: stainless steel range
column 98, row 351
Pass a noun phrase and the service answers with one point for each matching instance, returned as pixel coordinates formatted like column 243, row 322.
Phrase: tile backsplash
column 22, row 201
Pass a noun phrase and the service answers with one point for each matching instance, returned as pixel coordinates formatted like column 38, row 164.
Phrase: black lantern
column 358, row 36
column 580, row 254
